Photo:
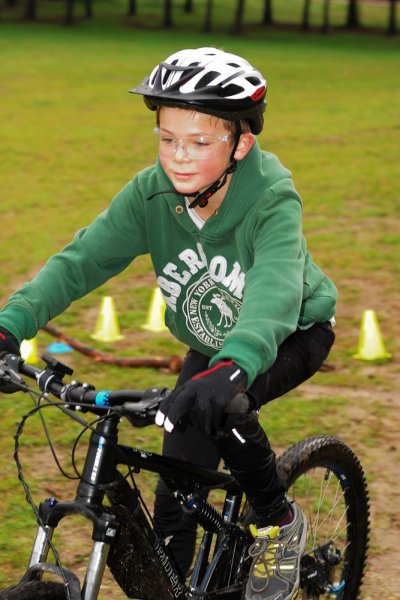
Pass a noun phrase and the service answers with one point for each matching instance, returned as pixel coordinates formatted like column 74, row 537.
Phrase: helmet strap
column 201, row 198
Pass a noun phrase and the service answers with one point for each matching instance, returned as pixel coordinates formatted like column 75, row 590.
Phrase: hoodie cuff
column 244, row 355
column 18, row 321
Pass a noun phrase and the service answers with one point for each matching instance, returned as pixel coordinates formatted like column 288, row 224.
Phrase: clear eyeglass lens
column 197, row 147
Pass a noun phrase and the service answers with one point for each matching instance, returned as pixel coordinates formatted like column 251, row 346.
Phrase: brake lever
column 9, row 369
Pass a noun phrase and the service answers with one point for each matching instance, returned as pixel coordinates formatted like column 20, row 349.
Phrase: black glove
column 8, row 343
column 204, row 398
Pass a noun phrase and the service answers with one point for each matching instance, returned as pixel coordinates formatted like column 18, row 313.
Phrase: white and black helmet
column 210, row 81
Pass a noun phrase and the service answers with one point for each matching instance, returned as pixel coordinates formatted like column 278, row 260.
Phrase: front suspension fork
column 41, row 545
column 104, row 531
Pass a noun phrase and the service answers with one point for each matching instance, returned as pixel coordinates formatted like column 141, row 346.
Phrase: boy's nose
column 181, row 152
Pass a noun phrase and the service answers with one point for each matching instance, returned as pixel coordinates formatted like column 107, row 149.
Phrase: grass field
column 71, row 136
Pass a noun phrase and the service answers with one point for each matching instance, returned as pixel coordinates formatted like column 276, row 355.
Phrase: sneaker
column 276, row 553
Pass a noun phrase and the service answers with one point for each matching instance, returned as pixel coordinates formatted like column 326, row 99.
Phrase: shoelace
column 264, row 549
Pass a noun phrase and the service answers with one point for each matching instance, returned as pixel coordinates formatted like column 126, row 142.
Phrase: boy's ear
column 245, row 144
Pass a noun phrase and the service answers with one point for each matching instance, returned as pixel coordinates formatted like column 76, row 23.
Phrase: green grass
column 71, row 136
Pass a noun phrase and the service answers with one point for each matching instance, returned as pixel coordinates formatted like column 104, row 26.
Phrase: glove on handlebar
column 8, row 343
column 203, row 398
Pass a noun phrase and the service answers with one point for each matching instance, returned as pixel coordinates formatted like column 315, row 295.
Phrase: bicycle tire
column 326, row 479
column 35, row 590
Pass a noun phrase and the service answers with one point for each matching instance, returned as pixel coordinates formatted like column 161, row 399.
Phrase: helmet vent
column 231, row 64
column 230, row 90
column 253, row 80
column 165, row 76
column 153, row 78
column 206, row 79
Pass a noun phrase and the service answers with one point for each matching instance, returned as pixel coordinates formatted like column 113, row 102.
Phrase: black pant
column 242, row 442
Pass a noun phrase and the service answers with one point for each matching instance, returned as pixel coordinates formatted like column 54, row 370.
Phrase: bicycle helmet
column 210, row 81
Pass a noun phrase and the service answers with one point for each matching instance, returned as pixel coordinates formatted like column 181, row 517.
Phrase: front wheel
column 35, row 590
column 325, row 478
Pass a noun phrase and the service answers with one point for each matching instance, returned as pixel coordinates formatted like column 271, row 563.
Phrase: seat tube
column 40, row 548
column 94, row 574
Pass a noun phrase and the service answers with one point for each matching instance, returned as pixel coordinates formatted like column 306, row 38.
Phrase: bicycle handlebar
column 139, row 403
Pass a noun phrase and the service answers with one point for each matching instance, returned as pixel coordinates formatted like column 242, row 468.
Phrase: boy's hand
column 8, row 343
column 205, row 397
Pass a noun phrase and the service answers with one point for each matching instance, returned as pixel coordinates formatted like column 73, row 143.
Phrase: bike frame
column 332, row 489
column 99, row 477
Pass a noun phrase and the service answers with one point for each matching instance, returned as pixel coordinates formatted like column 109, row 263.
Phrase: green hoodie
column 237, row 288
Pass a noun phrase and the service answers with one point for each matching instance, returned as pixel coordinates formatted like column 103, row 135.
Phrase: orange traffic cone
column 155, row 316
column 370, row 345
column 29, row 351
column 107, row 327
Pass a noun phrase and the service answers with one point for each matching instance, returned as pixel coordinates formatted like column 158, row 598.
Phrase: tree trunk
column 325, row 21
column 132, row 8
column 167, row 22
column 392, row 26
column 238, row 23
column 188, row 8
column 30, row 12
column 305, row 23
column 352, row 15
column 69, row 12
column 207, row 20
column 267, row 17
column 88, row 9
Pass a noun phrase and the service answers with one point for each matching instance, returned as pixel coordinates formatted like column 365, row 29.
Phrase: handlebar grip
column 238, row 404
column 13, row 361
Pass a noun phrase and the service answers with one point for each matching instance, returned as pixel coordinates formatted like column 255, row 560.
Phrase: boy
column 222, row 222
